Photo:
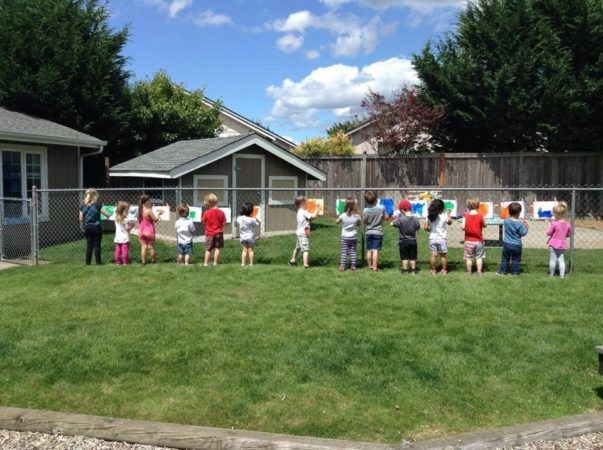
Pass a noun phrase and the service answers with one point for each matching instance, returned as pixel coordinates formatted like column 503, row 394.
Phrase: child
column 184, row 235
column 557, row 232
column 123, row 226
column 302, row 244
column 437, row 223
column 146, row 228
column 349, row 220
column 408, row 225
column 90, row 220
column 473, row 223
column 515, row 229
column 214, row 220
column 246, row 223
column 374, row 215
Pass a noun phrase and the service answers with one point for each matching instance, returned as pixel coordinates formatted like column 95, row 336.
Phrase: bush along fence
column 46, row 228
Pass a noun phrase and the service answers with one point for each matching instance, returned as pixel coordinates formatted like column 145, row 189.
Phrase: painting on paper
column 194, row 213
column 543, row 210
column 316, row 204
column 504, row 209
column 257, row 212
column 165, row 212
column 111, row 210
column 486, row 209
column 388, row 204
column 133, row 213
column 419, row 208
column 451, row 205
column 340, row 206
column 228, row 213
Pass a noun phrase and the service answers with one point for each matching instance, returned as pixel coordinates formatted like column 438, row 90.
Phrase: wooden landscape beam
column 196, row 437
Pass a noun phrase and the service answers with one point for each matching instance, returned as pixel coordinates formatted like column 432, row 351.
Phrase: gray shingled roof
column 175, row 155
column 20, row 126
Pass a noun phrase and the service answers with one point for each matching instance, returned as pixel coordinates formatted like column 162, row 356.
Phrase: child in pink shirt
column 559, row 230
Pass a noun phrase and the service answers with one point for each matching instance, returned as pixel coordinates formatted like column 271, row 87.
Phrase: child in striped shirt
column 349, row 220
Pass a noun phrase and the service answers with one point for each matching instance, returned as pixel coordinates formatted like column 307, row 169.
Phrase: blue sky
column 296, row 66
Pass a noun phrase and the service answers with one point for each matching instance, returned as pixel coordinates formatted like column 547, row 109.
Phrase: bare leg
column 369, row 261
column 294, row 255
column 143, row 253
column 180, row 259
column 469, row 264
column 405, row 265
column 413, row 265
column 250, row 252
column 444, row 261
column 153, row 255
column 243, row 256
column 306, row 258
column 375, row 259
column 216, row 256
column 432, row 261
column 187, row 259
column 479, row 263
column 207, row 256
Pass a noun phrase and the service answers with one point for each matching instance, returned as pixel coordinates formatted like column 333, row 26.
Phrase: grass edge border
column 198, row 437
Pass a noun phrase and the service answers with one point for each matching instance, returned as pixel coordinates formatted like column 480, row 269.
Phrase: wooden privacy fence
column 449, row 170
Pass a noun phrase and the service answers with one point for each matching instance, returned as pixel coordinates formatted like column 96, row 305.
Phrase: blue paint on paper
column 544, row 213
column 388, row 204
column 417, row 209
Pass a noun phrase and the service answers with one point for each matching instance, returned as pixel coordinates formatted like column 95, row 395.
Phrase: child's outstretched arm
column 448, row 218
column 426, row 226
column 463, row 224
column 105, row 213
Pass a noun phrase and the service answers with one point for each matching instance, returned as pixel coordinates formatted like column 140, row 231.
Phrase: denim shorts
column 185, row 249
column 374, row 242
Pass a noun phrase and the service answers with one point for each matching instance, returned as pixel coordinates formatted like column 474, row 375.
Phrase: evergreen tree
column 344, row 126
column 518, row 75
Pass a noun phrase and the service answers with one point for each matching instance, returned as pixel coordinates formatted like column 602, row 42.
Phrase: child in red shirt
column 214, row 220
column 473, row 224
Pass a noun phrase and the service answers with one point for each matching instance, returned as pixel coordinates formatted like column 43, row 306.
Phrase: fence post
column 34, row 225
column 573, row 224
column 362, row 192
column 1, row 229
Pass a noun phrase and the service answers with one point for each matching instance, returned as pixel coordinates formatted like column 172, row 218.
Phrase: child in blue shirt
column 515, row 229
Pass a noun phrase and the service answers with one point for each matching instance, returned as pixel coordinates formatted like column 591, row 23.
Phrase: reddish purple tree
column 403, row 124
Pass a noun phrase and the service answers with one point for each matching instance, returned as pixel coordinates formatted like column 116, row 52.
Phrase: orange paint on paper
column 314, row 204
column 484, row 209
column 256, row 212
column 504, row 212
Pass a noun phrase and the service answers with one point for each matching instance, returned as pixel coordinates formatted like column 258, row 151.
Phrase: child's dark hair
column 436, row 207
column 183, row 211
column 350, row 205
column 370, row 197
column 515, row 209
column 247, row 209
column 143, row 199
column 299, row 200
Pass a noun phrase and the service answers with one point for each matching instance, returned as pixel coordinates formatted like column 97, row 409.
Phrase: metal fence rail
column 48, row 228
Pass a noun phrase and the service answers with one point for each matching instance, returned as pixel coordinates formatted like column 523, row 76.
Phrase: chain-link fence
column 16, row 230
column 57, row 237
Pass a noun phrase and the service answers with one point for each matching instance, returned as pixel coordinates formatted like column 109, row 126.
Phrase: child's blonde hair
column 560, row 210
column 473, row 203
column 299, row 200
column 210, row 200
column 121, row 211
column 90, row 196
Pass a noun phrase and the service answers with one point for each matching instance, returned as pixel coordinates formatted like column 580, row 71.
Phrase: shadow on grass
column 599, row 392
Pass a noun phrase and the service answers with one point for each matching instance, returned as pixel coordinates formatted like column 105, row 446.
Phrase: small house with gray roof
column 238, row 169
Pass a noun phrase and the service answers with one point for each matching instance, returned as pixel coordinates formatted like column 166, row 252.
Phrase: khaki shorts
column 214, row 241
column 474, row 250
column 303, row 243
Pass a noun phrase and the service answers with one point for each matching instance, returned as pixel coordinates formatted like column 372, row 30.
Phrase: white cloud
column 290, row 42
column 352, row 35
column 337, row 89
column 312, row 54
column 172, row 7
column 211, row 19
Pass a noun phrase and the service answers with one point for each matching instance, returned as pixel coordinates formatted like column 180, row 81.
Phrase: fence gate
column 15, row 230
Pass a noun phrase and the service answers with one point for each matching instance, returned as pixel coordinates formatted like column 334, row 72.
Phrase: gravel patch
column 586, row 442
column 15, row 440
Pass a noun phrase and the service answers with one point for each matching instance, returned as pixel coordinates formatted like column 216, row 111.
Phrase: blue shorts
column 374, row 241
column 185, row 249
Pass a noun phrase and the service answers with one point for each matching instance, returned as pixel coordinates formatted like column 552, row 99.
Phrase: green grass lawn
column 375, row 357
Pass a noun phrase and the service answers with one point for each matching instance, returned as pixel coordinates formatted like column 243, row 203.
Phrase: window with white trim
column 282, row 197
column 204, row 184
column 20, row 170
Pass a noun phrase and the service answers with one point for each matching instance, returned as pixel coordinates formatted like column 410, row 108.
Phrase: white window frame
column 199, row 201
column 272, row 178
column 24, row 150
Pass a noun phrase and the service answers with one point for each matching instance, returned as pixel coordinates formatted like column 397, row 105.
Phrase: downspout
column 101, row 148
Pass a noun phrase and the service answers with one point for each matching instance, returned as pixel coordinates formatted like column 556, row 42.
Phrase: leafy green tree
column 518, row 75
column 336, row 145
column 344, row 126
column 164, row 112
column 60, row 60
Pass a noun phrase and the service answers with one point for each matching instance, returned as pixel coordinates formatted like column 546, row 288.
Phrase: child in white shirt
column 184, row 235
column 246, row 224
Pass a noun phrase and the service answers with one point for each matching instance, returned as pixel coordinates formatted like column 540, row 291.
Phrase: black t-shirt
column 408, row 226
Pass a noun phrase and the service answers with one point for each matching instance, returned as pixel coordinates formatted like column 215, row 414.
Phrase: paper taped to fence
column 165, row 212
column 133, row 213
column 257, row 212
column 419, row 208
column 504, row 209
column 228, row 213
column 110, row 209
column 315, row 204
column 486, row 209
column 194, row 213
column 340, row 206
column 451, row 205
column 388, row 204
column 543, row 210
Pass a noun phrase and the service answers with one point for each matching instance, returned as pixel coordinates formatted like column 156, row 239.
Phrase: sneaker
column 443, row 272
column 500, row 273
column 433, row 271
column 306, row 267
column 292, row 263
column 342, row 269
